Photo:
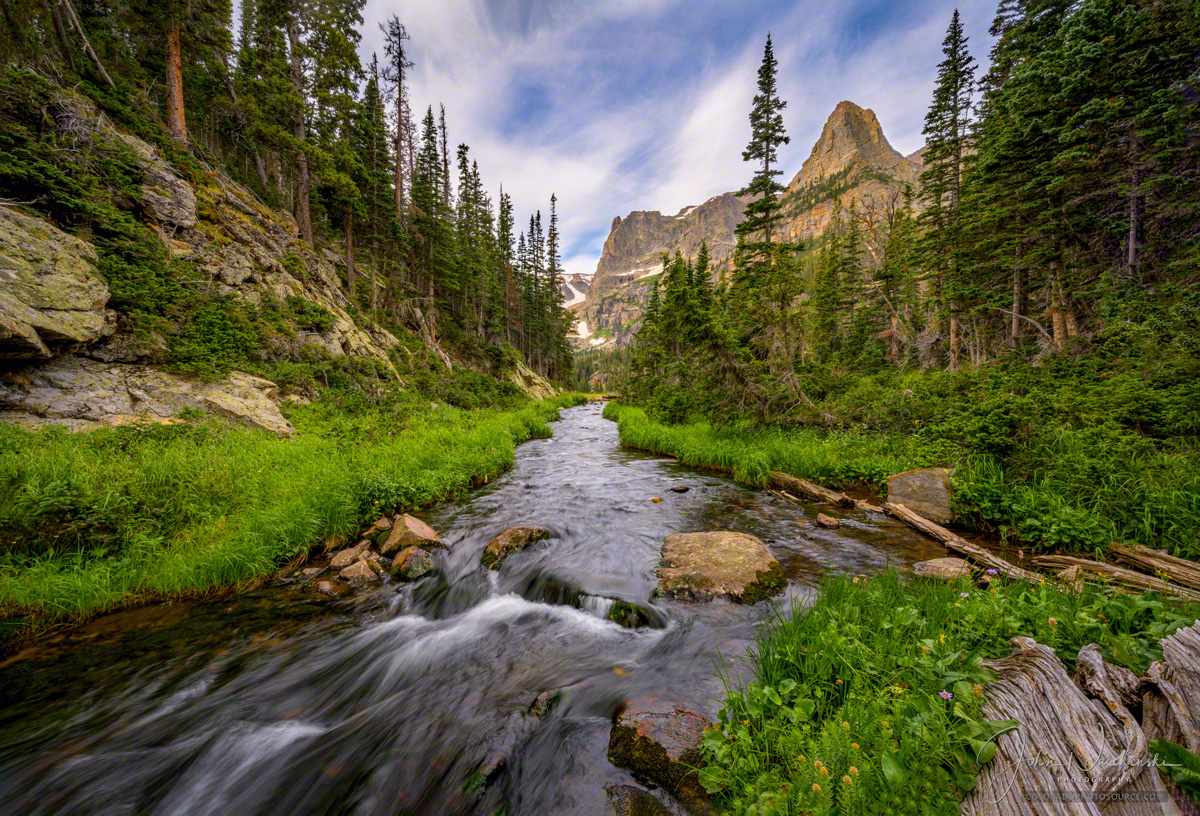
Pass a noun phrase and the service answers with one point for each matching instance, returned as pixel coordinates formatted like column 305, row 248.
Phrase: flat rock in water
column 510, row 541
column 359, row 571
column 925, row 491
column 412, row 563
column 702, row 566
column 348, row 556
column 828, row 522
column 680, row 489
column 660, row 742
column 409, row 531
column 946, row 569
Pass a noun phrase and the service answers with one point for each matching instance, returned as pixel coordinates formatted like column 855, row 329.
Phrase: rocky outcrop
column 82, row 393
column 660, row 741
column 410, row 531
column 703, row 566
column 51, row 296
column 925, row 491
column 852, row 162
column 532, row 383
column 509, row 542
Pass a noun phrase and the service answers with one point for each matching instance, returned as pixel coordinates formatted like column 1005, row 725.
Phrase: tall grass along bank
column 1078, row 492
column 89, row 522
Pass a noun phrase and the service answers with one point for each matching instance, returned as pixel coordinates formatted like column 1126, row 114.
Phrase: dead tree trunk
column 69, row 12
column 958, row 544
column 176, row 117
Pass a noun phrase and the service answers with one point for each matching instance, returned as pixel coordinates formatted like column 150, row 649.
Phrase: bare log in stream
column 1159, row 563
column 958, row 544
column 813, row 492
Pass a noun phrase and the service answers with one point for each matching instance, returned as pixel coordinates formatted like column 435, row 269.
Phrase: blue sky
column 620, row 105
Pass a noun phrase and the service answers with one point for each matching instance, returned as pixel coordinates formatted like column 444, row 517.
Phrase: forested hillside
column 1033, row 318
column 284, row 108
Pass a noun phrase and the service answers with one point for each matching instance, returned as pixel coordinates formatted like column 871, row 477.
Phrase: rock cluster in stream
column 409, row 538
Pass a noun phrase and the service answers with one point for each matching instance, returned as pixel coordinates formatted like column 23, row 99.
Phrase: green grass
column 1068, row 488
column 855, row 685
column 90, row 522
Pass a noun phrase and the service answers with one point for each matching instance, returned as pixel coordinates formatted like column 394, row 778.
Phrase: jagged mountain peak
column 851, row 134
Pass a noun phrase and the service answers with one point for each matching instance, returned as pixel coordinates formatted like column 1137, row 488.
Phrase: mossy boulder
column 412, row 563
column 509, row 542
column 660, row 741
column 719, row 564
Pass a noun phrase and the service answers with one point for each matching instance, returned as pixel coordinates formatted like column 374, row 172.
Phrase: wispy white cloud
column 617, row 105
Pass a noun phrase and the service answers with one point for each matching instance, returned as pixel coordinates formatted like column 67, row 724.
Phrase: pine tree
column 395, row 73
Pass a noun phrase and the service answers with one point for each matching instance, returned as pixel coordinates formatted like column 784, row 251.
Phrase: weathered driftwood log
column 1118, row 575
column 1167, row 566
column 1066, row 747
column 957, row 544
column 813, row 492
column 1171, row 705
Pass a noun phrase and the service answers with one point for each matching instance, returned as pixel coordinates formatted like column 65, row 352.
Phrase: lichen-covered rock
column 532, row 383
column 945, row 569
column 925, row 491
column 166, row 197
column 410, row 531
column 703, row 566
column 660, row 741
column 82, row 394
column 509, row 542
column 412, row 563
column 52, row 299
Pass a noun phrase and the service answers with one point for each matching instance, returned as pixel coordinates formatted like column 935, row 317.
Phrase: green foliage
column 90, row 522
column 869, row 700
column 214, row 339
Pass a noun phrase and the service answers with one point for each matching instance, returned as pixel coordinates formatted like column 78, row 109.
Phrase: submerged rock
column 925, row 491
column 660, row 742
column 626, row 800
column 828, row 522
column 410, row 531
column 509, row 542
column 945, row 569
column 702, row 566
column 412, row 563
column 326, row 588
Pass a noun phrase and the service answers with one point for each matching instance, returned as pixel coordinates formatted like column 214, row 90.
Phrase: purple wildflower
column 992, row 572
column 964, row 594
column 945, row 695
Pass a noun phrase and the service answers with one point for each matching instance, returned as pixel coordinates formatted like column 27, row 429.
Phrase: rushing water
column 393, row 697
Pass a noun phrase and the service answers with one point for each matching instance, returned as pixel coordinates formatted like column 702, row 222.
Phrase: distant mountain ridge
column 852, row 161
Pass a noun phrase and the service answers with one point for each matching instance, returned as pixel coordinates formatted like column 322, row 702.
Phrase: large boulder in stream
column 925, row 491
column 412, row 563
column 660, row 741
column 409, row 531
column 509, row 542
column 719, row 564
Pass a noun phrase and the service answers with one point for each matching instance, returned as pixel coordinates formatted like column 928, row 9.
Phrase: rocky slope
column 852, row 161
column 67, row 357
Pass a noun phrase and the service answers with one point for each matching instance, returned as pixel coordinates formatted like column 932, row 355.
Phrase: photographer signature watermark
column 1091, row 783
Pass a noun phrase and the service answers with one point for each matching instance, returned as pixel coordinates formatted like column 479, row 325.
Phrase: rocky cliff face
column 632, row 259
column 852, row 161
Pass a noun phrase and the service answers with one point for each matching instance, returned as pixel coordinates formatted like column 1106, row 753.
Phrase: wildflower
column 838, row 681
column 816, row 788
column 802, row 757
column 945, row 695
column 845, row 725
column 824, row 771
column 853, row 771
column 817, row 763
column 978, row 689
column 854, row 745
column 964, row 594
column 991, row 572
column 958, row 606
column 846, row 779
column 1053, row 622
column 884, row 723
column 855, row 580
column 942, row 637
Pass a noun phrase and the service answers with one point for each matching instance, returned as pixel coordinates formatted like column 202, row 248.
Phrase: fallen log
column 958, row 544
column 1118, row 575
column 813, row 492
column 1069, row 754
column 1179, row 570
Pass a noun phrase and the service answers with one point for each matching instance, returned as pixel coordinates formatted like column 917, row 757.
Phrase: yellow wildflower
column 846, row 779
